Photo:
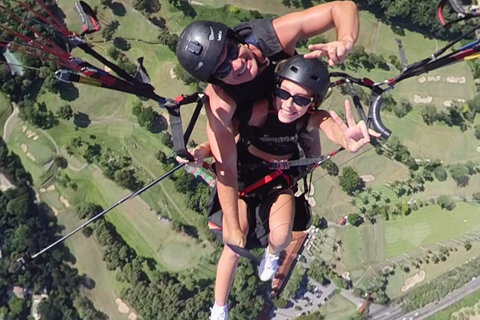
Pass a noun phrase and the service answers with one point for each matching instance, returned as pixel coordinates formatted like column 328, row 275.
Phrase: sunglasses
column 225, row 68
column 298, row 100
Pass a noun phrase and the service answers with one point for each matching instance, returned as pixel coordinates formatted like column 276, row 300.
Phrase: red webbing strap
column 260, row 182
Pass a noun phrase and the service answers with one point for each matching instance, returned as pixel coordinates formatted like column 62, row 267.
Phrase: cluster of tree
column 359, row 58
column 323, row 273
column 122, row 60
column 354, row 219
column 349, row 180
column 446, row 202
column 439, row 287
column 147, row 6
column 461, row 172
column 456, row 115
column 196, row 193
column 168, row 39
column 37, row 114
column 399, row 152
column 109, row 30
column 65, row 112
column 65, row 181
column 331, row 167
column 294, row 282
column 27, row 226
column 145, row 116
column 155, row 293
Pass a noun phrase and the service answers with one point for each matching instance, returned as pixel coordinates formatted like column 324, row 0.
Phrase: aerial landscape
column 396, row 226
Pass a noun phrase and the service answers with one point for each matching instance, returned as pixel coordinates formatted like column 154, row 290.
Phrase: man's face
column 237, row 64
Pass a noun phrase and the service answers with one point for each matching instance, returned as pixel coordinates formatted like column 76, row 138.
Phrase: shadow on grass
column 67, row 91
column 118, row 9
column 81, row 120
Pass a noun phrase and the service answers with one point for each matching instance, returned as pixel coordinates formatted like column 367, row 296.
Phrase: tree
column 440, row 173
column 167, row 140
column 446, row 202
column 109, row 30
column 113, row 53
column 126, row 179
column 106, row 3
column 349, row 180
column 147, row 117
column 65, row 112
column 87, row 210
column 331, row 167
column 354, row 219
column 121, row 44
column 476, row 196
column 92, row 152
column 429, row 114
column 468, row 245
column 161, row 156
column 459, row 173
column 477, row 131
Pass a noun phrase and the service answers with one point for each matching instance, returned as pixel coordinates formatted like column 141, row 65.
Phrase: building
column 291, row 252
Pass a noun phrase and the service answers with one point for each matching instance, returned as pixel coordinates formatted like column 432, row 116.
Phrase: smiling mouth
column 288, row 113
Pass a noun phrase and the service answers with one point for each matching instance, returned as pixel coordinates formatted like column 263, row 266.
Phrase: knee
column 281, row 237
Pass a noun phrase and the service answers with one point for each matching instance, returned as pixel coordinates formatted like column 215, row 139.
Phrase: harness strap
column 268, row 178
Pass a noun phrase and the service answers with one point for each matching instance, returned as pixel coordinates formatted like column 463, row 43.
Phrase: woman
column 272, row 135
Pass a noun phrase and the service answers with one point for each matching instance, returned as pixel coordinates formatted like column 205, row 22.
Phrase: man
column 240, row 65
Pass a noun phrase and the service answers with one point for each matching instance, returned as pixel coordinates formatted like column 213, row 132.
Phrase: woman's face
column 241, row 69
column 292, row 101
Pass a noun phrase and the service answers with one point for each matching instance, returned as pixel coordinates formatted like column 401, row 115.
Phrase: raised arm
column 221, row 136
column 341, row 15
column 352, row 136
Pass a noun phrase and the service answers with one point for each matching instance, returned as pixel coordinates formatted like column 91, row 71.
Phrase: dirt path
column 13, row 115
column 377, row 35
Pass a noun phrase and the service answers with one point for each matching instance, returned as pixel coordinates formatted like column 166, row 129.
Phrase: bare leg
column 282, row 213
column 227, row 264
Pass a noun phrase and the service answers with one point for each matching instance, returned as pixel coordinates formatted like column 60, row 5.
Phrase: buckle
column 279, row 165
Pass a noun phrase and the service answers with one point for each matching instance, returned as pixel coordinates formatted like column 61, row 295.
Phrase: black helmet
column 199, row 47
column 309, row 73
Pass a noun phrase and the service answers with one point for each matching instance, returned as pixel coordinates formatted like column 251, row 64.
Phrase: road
column 431, row 308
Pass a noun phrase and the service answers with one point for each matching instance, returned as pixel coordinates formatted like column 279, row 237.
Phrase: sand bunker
column 107, row 69
column 312, row 202
column 422, row 79
column 172, row 74
column 132, row 316
column 122, row 307
column 24, row 147
column 367, row 178
column 30, row 156
column 478, row 149
column 64, row 201
column 51, row 187
column 346, row 276
column 42, row 190
column 35, row 137
column 5, row 184
column 30, row 134
column 24, row 128
column 419, row 99
column 413, row 280
column 456, row 79
column 55, row 211
column 448, row 103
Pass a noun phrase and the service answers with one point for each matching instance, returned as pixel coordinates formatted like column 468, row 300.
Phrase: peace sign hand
column 356, row 135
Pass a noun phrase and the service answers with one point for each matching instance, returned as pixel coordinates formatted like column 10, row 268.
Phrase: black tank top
column 261, row 34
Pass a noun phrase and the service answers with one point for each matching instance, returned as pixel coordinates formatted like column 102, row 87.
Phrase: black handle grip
column 374, row 118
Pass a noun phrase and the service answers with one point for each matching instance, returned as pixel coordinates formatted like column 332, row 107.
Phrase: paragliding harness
column 276, row 177
column 77, row 70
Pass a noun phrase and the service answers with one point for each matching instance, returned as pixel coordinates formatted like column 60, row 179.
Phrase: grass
column 431, row 269
column 338, row 308
column 429, row 225
column 5, row 110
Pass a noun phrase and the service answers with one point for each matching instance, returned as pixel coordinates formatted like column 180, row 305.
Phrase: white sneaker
column 218, row 313
column 268, row 265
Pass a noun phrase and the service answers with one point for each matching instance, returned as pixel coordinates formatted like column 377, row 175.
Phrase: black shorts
column 258, row 211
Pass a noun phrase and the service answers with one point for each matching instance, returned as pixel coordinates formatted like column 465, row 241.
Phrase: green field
column 338, row 308
column 430, row 225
